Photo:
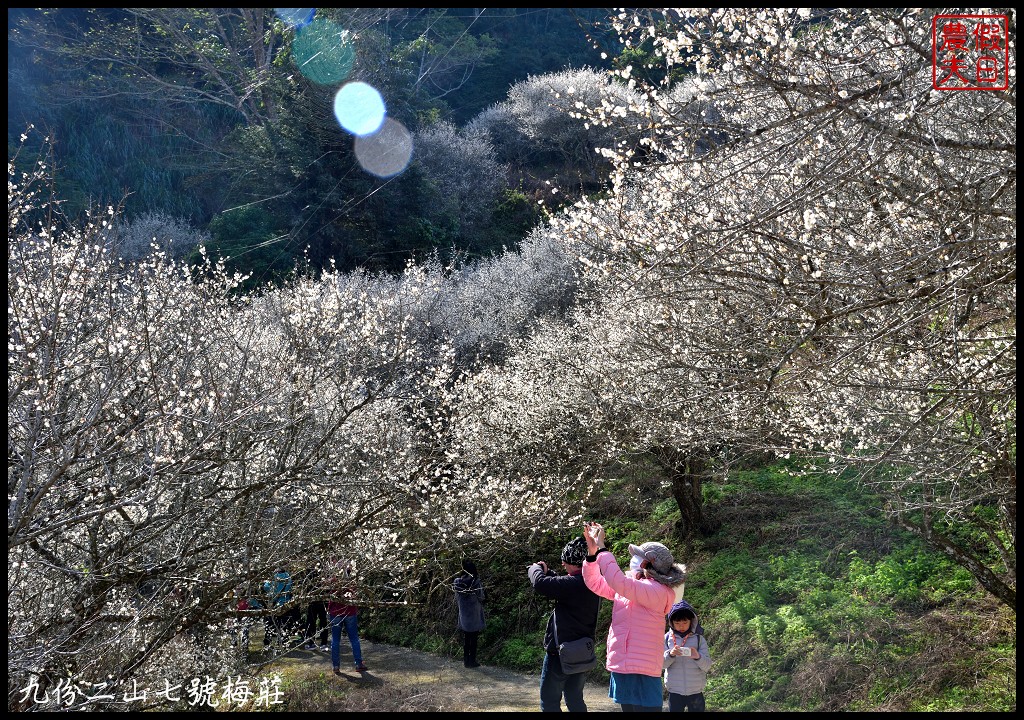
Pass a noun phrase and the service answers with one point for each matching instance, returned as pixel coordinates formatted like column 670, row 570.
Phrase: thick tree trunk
column 687, row 472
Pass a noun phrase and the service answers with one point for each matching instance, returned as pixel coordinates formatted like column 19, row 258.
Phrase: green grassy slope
column 810, row 600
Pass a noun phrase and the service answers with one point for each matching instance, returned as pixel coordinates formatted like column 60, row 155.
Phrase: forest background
column 742, row 283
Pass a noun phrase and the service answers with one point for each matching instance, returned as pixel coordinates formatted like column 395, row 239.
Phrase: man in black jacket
column 574, row 617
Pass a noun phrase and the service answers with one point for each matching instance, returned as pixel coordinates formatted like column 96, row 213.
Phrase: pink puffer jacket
column 639, row 607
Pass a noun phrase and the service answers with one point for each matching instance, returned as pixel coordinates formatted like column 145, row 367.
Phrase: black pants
column 316, row 612
column 469, row 641
column 686, row 703
column 556, row 684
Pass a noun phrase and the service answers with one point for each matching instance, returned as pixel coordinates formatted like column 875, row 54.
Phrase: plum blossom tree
column 464, row 172
column 490, row 303
column 171, row 442
column 136, row 238
column 541, row 115
column 836, row 248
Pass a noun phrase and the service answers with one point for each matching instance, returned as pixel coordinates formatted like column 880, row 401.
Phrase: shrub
column 909, row 577
column 156, row 231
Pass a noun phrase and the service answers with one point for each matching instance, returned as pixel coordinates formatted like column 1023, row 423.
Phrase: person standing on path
column 316, row 611
column 641, row 599
column 469, row 592
column 279, row 594
column 574, row 617
column 344, row 613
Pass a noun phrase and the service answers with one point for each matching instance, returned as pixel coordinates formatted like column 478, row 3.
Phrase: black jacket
column 575, row 604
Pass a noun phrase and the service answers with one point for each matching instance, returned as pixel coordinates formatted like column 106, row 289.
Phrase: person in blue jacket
column 278, row 591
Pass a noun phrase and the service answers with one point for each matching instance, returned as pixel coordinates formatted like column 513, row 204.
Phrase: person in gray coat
column 469, row 592
column 687, row 660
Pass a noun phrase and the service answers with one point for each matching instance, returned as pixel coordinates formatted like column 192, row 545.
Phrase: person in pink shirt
column 641, row 599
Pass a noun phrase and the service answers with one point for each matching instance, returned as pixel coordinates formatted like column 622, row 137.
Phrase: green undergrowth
column 810, row 600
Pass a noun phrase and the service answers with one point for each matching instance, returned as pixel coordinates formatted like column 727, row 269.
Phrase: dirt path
column 482, row 689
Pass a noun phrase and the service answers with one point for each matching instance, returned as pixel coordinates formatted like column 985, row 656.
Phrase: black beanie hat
column 575, row 551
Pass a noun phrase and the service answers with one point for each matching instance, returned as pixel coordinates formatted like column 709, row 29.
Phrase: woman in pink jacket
column 641, row 598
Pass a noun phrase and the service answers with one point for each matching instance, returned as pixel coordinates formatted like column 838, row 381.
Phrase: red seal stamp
column 970, row 52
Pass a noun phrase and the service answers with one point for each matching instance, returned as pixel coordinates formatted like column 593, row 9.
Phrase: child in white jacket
column 687, row 660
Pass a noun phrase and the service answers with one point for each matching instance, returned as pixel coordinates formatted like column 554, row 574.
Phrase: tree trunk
column 687, row 472
column 1003, row 591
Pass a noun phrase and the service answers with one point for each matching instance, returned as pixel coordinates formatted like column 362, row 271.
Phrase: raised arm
column 592, row 577
column 558, row 587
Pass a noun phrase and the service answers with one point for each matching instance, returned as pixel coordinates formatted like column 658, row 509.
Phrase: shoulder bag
column 576, row 655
